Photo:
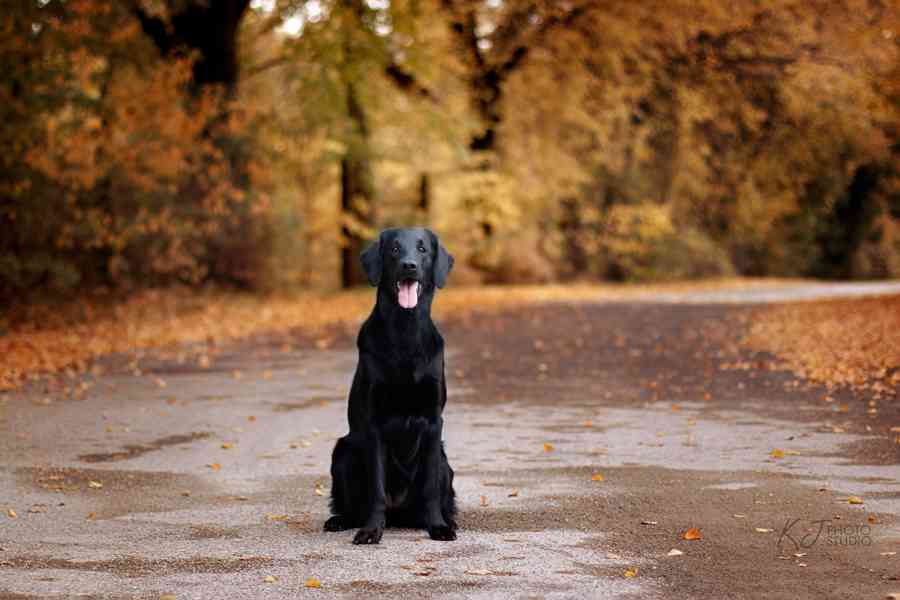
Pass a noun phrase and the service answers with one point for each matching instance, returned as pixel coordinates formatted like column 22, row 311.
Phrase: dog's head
column 407, row 264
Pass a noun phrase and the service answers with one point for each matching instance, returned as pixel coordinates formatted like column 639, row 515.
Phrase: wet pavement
column 587, row 439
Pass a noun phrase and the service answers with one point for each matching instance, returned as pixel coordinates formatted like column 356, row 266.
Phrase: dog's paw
column 368, row 535
column 336, row 524
column 442, row 533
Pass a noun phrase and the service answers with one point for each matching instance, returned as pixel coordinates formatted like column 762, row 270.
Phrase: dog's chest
column 404, row 400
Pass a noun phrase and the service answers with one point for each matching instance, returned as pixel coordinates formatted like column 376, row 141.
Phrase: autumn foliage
column 146, row 143
column 841, row 343
column 112, row 172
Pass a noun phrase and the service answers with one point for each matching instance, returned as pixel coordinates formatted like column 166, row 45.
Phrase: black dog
column 391, row 468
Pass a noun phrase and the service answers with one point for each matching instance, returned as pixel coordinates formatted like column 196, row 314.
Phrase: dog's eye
column 395, row 250
column 421, row 248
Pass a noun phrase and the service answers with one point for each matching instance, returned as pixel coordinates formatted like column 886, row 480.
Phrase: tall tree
column 206, row 31
column 494, row 41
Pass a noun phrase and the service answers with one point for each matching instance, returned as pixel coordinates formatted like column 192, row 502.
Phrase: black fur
column 391, row 469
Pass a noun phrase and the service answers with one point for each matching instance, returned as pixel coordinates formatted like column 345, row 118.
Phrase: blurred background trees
column 262, row 144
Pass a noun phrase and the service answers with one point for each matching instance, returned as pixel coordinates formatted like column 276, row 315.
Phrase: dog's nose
column 409, row 265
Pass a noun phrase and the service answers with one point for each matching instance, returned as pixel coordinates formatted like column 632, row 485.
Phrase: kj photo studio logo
column 800, row 534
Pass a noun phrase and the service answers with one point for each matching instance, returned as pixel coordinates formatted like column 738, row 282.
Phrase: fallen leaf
column 214, row 466
column 251, row 418
column 186, row 493
column 38, row 508
column 632, row 572
column 587, row 423
column 477, row 572
column 800, row 554
column 739, row 516
column 484, row 501
column 855, row 500
column 312, row 582
column 270, row 579
column 513, row 494
column 270, row 517
column 887, row 553
column 776, row 453
column 597, row 477
column 548, row 447
column 692, row 534
column 319, row 491
column 762, row 530
column 91, row 516
column 227, row 446
column 11, row 513
column 674, row 552
column 168, row 597
column 95, row 485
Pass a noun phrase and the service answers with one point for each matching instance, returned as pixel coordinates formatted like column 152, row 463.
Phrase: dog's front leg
column 373, row 529
column 437, row 527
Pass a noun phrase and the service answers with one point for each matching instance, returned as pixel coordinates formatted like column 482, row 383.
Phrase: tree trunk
column 424, row 202
column 848, row 224
column 357, row 192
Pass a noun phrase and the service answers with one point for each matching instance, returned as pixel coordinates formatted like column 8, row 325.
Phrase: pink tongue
column 409, row 294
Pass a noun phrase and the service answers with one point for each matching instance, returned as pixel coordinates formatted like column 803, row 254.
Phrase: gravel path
column 587, row 440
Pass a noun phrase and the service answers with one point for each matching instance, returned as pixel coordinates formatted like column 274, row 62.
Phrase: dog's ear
column 443, row 264
column 371, row 262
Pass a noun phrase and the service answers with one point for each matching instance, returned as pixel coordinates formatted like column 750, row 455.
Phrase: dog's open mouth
column 408, row 293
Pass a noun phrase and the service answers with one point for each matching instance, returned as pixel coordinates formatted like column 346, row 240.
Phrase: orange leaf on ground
column 692, row 534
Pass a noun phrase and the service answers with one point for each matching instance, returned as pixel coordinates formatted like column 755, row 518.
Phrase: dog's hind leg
column 448, row 496
column 348, row 477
